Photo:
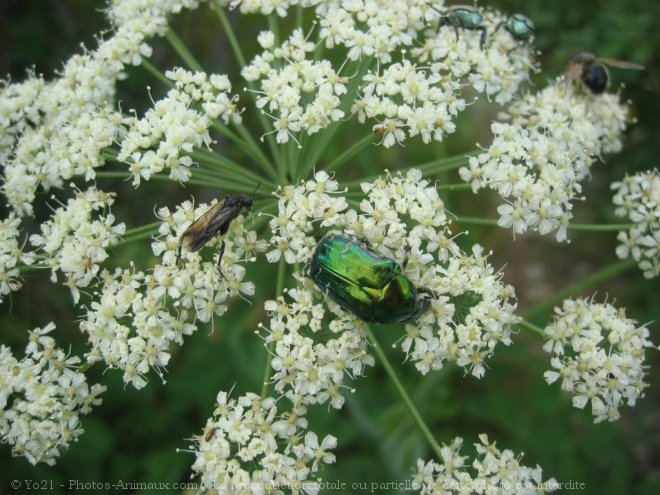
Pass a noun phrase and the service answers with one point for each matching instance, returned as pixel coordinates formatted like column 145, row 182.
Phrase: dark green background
column 134, row 435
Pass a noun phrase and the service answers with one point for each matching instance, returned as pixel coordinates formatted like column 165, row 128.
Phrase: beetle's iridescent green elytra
column 520, row 27
column 466, row 17
column 364, row 283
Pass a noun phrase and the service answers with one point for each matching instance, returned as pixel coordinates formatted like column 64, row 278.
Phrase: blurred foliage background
column 134, row 435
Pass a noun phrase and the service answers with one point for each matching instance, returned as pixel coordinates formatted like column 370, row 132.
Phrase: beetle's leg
column 363, row 240
column 222, row 251
column 482, row 39
column 427, row 291
column 499, row 25
column 442, row 19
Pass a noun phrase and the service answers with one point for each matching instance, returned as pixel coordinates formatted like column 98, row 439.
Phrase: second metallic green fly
column 364, row 283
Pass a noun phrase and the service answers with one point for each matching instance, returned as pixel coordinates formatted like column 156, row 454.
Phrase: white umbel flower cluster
column 402, row 218
column 266, row 7
column 135, row 21
column 249, row 447
column 315, row 347
column 598, row 356
column 11, row 254
column 52, row 131
column 493, row 472
column 42, row 397
column 538, row 160
column 301, row 95
column 496, row 69
column 136, row 317
column 407, row 101
column 76, row 238
column 177, row 124
column 410, row 71
column 637, row 199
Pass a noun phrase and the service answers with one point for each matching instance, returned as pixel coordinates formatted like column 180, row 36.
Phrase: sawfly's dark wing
column 215, row 220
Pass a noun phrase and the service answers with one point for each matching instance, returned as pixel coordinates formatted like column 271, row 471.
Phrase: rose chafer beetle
column 369, row 285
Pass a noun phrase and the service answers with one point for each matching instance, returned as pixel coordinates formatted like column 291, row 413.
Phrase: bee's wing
column 621, row 64
column 573, row 71
column 215, row 219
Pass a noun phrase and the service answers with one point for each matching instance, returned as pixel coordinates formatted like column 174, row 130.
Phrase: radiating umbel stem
column 281, row 278
column 573, row 289
column 421, row 424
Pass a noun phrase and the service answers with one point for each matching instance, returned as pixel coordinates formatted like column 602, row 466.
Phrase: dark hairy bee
column 590, row 70
column 215, row 220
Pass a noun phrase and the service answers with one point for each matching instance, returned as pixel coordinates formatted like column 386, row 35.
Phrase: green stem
column 281, row 277
column 404, row 395
column 579, row 286
column 183, row 52
column 350, row 152
column 84, row 367
column 156, row 73
column 274, row 27
column 585, row 227
column 144, row 228
column 476, row 220
column 110, row 155
column 221, row 180
column 238, row 53
column 233, row 176
column 23, row 269
column 137, row 237
column 229, row 31
column 290, row 158
column 453, row 187
column 228, row 166
column 248, row 145
column 532, row 328
column 594, row 227
column 263, row 162
column 429, row 168
column 444, row 164
column 319, row 144
column 192, row 182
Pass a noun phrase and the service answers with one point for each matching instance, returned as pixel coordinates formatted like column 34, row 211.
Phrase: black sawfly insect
column 215, row 220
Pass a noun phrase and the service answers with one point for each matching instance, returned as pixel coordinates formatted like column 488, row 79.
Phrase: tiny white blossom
column 637, row 198
column 76, row 238
column 135, row 317
column 42, row 398
column 57, row 129
column 176, row 125
column 250, row 443
column 11, row 255
column 538, row 161
column 599, row 356
column 493, row 471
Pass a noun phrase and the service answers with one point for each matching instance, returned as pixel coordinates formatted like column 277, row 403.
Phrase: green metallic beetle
column 518, row 26
column 465, row 17
column 364, row 283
